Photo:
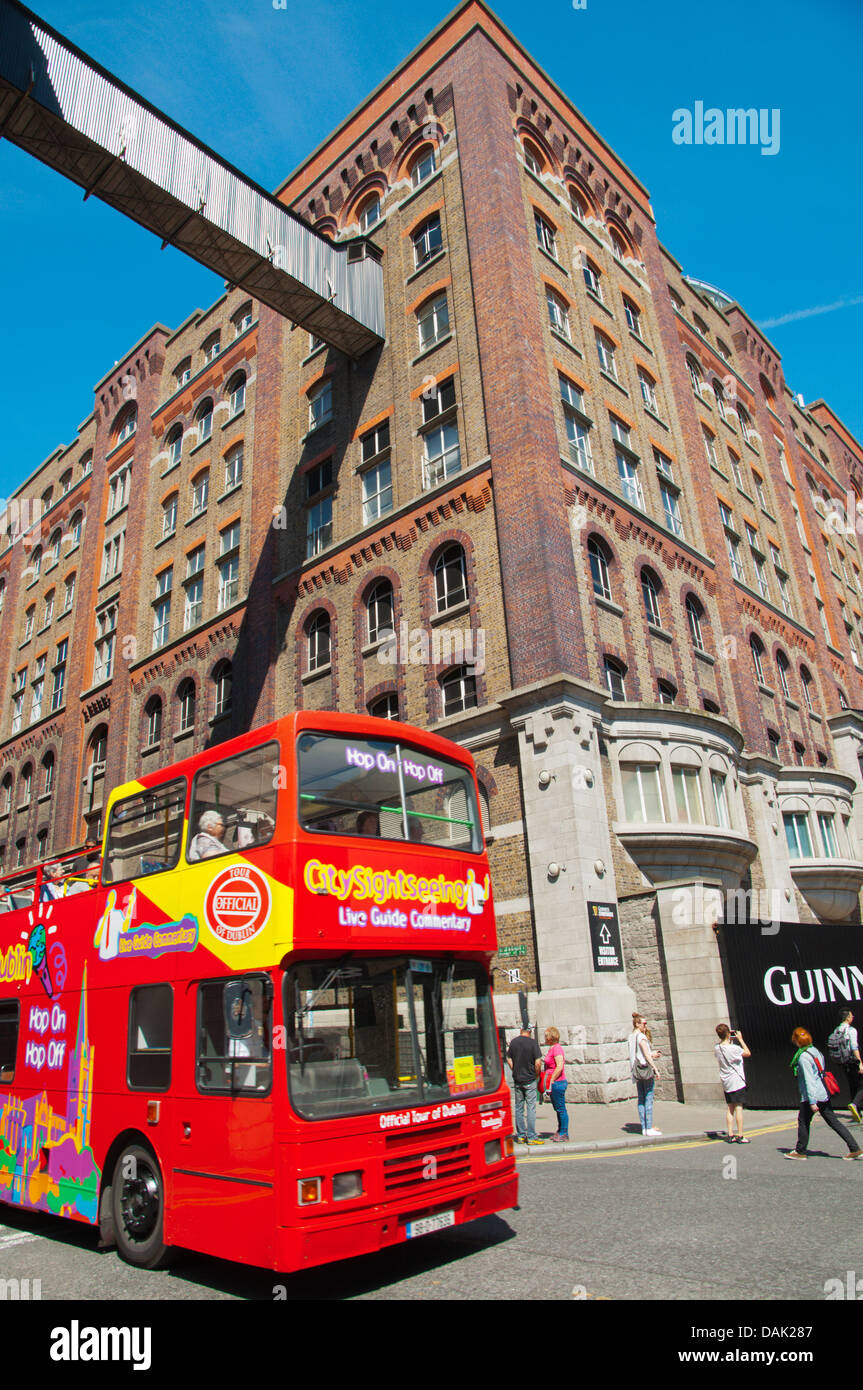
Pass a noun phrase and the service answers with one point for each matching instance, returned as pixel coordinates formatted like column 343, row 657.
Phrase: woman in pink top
column 556, row 1077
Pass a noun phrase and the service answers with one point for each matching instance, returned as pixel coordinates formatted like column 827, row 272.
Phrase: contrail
column 810, row 313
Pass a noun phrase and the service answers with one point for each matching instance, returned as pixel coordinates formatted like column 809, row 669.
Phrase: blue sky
column 264, row 86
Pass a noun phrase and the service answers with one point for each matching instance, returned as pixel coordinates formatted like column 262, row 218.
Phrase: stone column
column 696, row 986
column 570, row 857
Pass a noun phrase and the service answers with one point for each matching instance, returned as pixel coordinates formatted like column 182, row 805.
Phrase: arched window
column 36, row 562
column 667, row 692
column 153, row 712
column 242, row 319
column 76, row 527
column 370, row 212
column 204, row 420
column 54, row 546
column 187, row 702
column 48, row 767
column 695, row 375
column 746, row 425
column 66, row 482
column 380, row 609
column 782, row 667
column 423, row 165
column 458, row 688
column 211, row 347
column 756, row 647
column 97, row 751
column 599, row 557
column 174, row 445
column 237, row 394
column 319, row 640
column 578, row 205
column 843, row 700
column 126, row 423
column 385, row 706
column 25, row 785
column 719, row 396
column 450, row 576
column 6, row 794
column 650, row 589
column 806, row 682
column 533, row 158
column 223, row 682
column 694, row 616
column 618, row 245
column 183, row 373
column 615, row 678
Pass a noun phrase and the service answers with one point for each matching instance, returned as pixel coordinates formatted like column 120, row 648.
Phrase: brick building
column 575, row 485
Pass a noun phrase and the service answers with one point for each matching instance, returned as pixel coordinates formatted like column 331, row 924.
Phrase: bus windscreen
column 384, row 789
column 368, row 1034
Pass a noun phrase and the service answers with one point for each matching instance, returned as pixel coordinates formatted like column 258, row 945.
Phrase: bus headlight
column 347, row 1185
column 493, row 1151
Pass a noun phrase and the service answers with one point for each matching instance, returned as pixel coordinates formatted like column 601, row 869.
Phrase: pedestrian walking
column 644, row 1072
column 524, row 1059
column 730, row 1052
column 843, row 1047
column 554, row 1065
column 807, row 1065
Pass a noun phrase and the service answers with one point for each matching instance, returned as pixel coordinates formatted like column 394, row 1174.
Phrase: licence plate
column 426, row 1224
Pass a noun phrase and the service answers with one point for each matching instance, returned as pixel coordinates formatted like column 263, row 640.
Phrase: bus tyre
column 138, row 1209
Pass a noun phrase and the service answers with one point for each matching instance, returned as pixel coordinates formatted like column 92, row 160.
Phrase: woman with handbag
column 644, row 1073
column 729, row 1052
column 815, row 1086
column 556, row 1083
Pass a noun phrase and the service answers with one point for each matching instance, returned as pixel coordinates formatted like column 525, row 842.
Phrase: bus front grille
column 420, row 1169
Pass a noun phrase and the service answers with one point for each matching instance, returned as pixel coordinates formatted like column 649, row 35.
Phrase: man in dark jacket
column 525, row 1061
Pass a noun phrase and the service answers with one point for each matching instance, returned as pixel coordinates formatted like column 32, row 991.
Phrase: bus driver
column 209, row 840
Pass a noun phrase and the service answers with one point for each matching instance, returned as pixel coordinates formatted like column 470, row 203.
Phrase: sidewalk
column 615, row 1126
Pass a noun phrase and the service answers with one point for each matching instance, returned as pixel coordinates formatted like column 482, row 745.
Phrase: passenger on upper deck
column 209, row 840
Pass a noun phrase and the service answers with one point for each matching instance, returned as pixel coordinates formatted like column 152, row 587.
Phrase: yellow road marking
column 650, row 1148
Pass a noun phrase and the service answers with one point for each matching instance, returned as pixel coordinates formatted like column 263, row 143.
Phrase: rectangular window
column 229, row 582
column 200, row 494
column 630, row 483
column 544, row 234
column 428, row 241
column 377, row 491
column 234, row 804
column 9, row 1021
column 720, row 801
column 144, row 833
column 827, row 826
column 671, row 507
column 433, row 322
column 319, row 477
column 235, row 1035
column 687, row 795
column 59, row 674
column 797, row 834
column 321, row 405
column 577, row 424
column 169, row 517
column 150, row 1027
column 193, row 612
column 319, row 527
column 234, row 468
column 605, row 353
column 375, row 441
column 443, row 454
column 648, row 392
column 642, row 796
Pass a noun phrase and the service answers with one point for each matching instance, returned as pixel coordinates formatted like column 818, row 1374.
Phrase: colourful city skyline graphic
column 46, row 1161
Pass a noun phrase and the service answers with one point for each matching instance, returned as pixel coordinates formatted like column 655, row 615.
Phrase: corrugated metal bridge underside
column 60, row 106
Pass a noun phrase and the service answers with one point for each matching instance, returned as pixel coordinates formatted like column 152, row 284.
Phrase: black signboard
column 785, row 976
column 605, row 936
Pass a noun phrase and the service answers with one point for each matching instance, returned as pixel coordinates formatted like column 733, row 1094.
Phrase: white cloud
column 810, row 313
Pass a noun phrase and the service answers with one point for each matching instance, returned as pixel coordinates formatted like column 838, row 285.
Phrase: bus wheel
column 138, row 1208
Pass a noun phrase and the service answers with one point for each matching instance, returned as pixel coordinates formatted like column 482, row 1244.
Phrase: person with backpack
column 842, row 1047
column 807, row 1065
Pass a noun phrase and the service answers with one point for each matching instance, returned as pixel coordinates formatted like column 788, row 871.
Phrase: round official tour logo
column 237, row 904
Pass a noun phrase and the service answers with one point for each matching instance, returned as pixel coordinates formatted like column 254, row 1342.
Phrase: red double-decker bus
column 265, row 1032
